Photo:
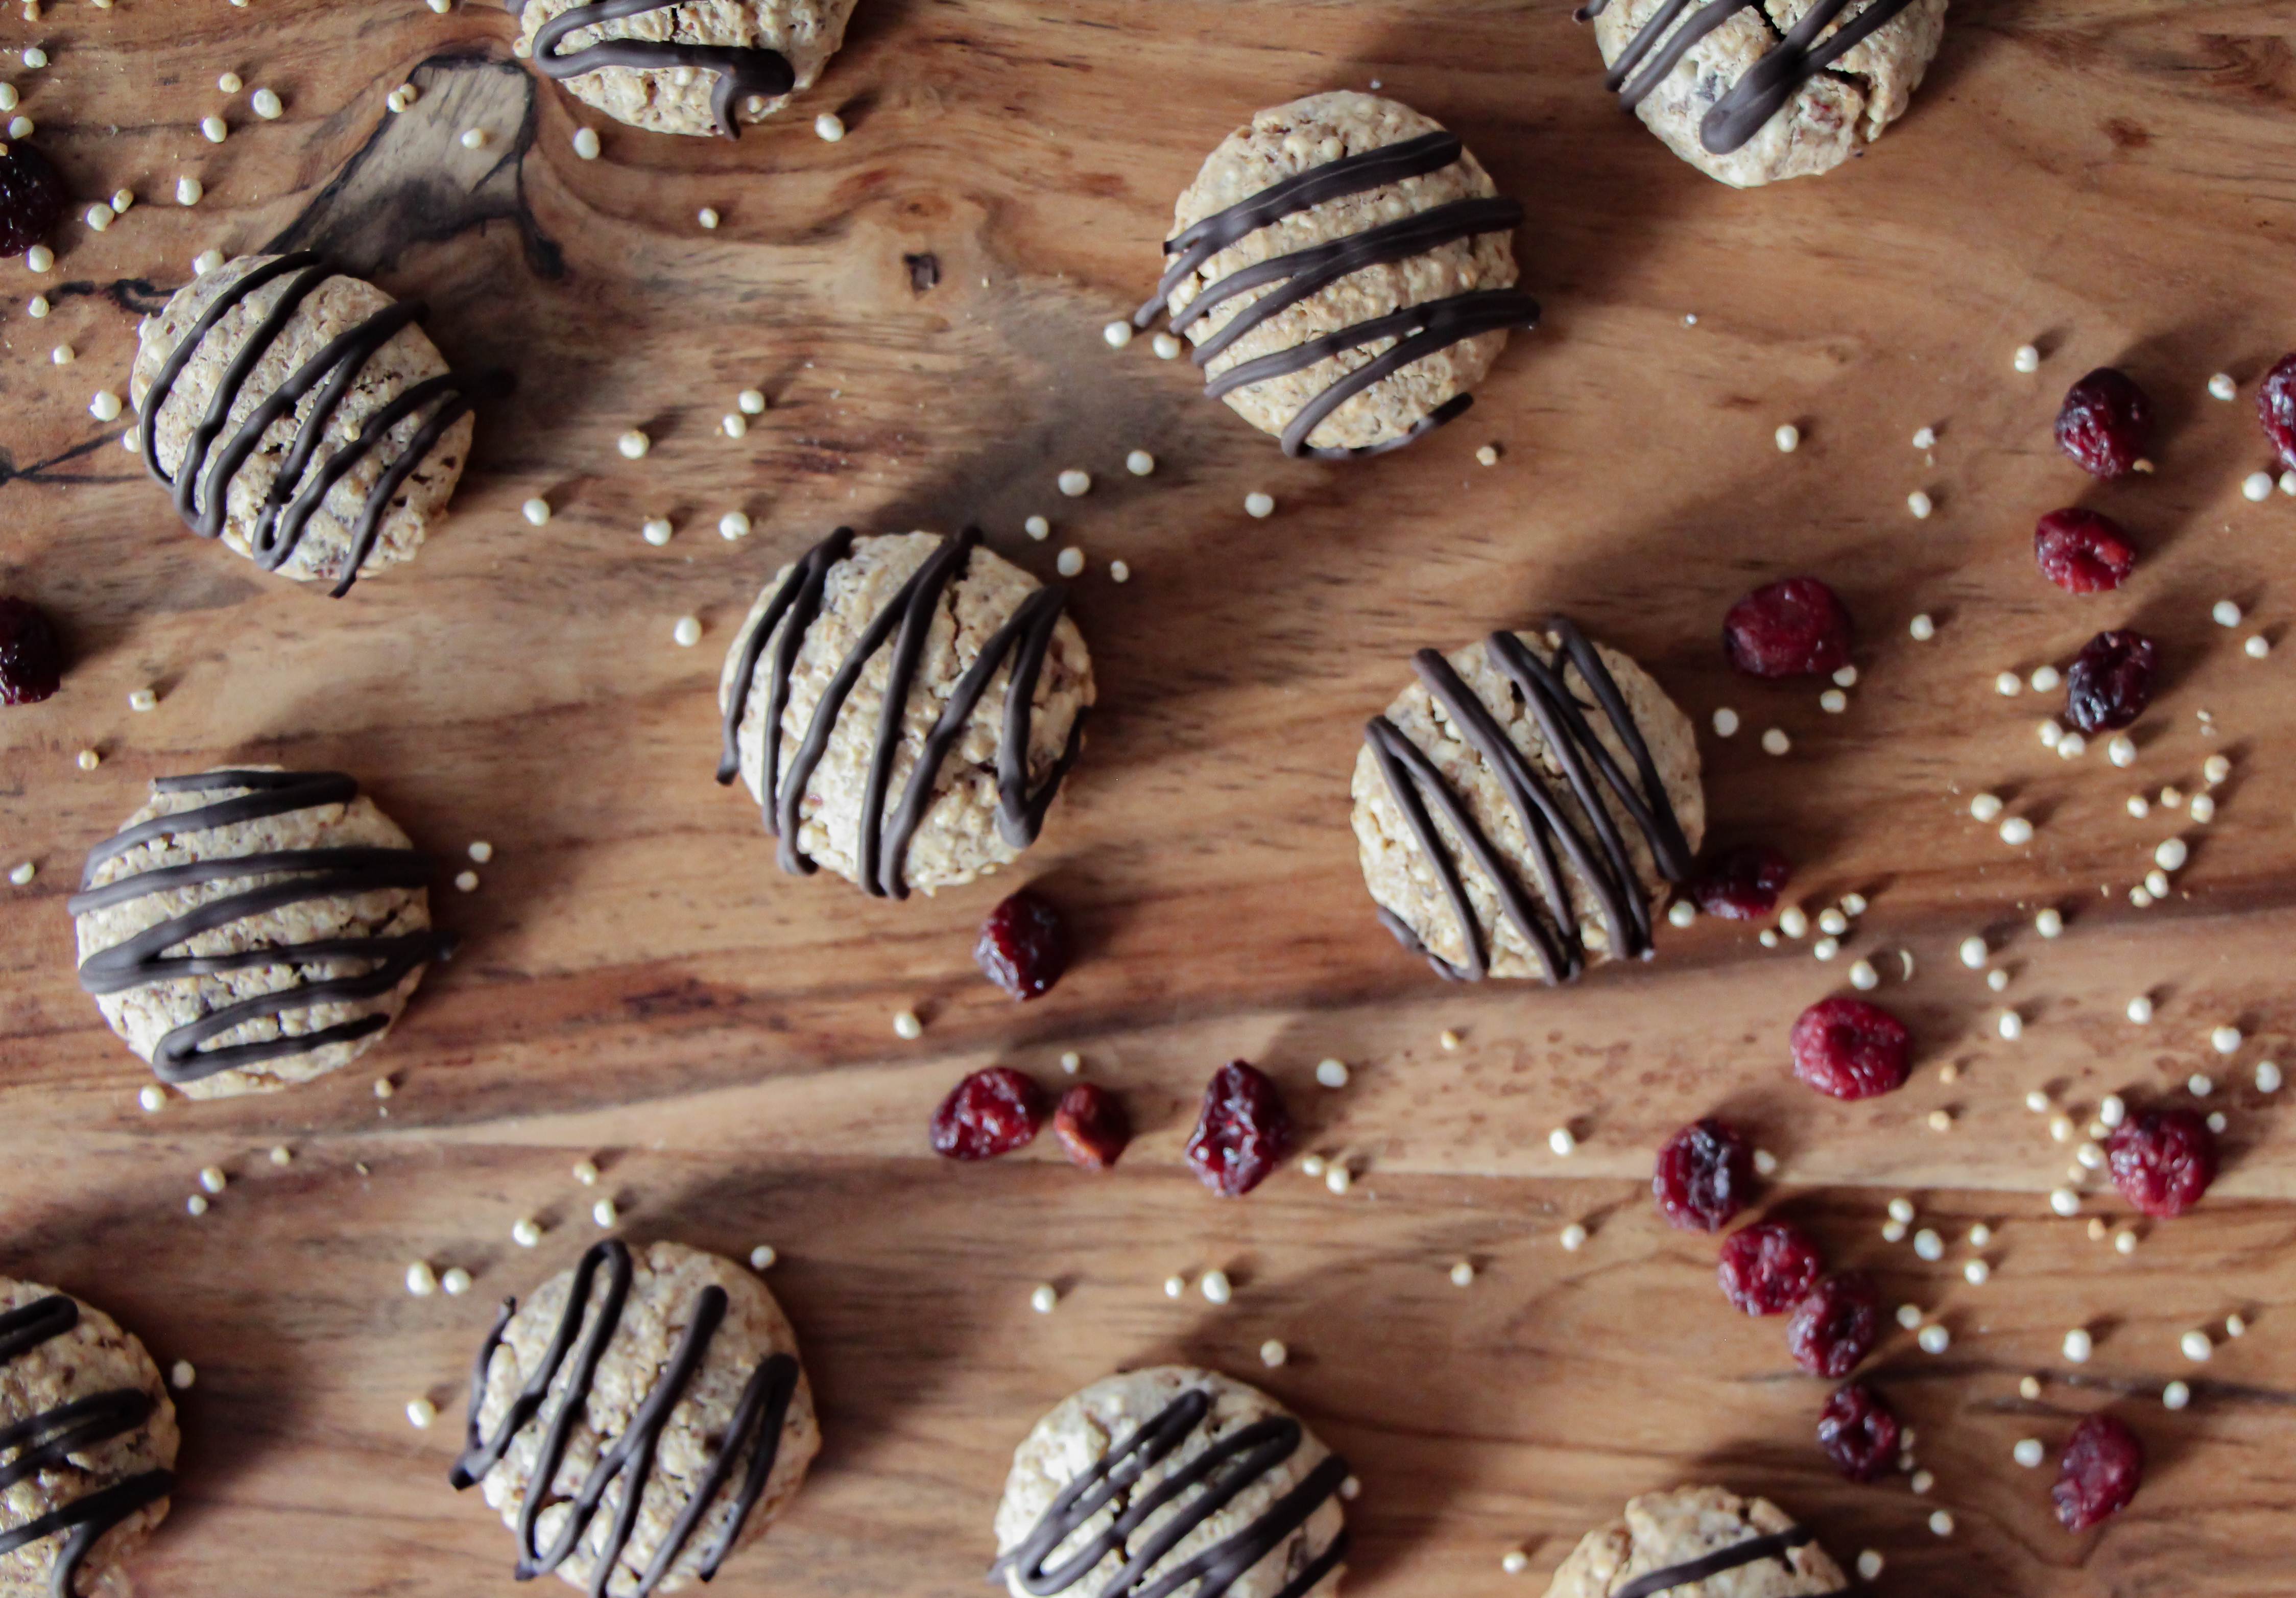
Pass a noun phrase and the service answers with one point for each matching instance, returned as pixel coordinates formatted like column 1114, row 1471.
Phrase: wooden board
column 637, row 984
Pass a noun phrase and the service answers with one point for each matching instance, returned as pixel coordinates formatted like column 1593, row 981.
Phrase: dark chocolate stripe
column 300, row 876
column 1773, row 1547
column 743, row 70
column 47, row 1440
column 203, row 476
column 1207, row 1484
column 1024, row 639
column 755, row 1431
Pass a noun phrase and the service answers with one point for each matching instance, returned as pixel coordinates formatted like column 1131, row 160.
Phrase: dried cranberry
column 990, row 1113
column 2102, row 1468
column 2110, row 682
column 2105, row 422
column 1769, row 1269
column 1793, row 628
column 1705, row 1174
column 1092, row 1125
column 31, row 197
column 1243, row 1133
column 1742, row 884
column 1024, row 944
column 2082, row 551
column 2163, row 1160
column 1858, row 1431
column 1834, row 1327
column 2275, row 407
column 1849, row 1049
column 31, row 661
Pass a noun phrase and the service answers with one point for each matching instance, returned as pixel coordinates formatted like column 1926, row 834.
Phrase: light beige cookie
column 651, row 80
column 1425, row 760
column 845, row 797
column 78, row 1389
column 1698, row 1542
column 1831, row 115
column 731, row 1422
column 364, row 491
column 1457, row 282
column 239, row 979
column 1058, row 1530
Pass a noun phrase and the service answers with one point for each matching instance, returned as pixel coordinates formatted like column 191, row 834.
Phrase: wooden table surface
column 2113, row 181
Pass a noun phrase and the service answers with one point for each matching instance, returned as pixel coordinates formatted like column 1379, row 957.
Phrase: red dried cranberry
column 31, row 661
column 1834, row 1327
column 2082, row 551
column 1705, row 1174
column 1858, row 1431
column 2275, row 407
column 1849, row 1049
column 2163, row 1160
column 2105, row 422
column 990, row 1113
column 1024, row 944
column 31, row 197
column 1769, row 1269
column 1742, row 883
column 1244, row 1132
column 1793, row 628
column 2102, row 1468
column 2110, row 681
column 1092, row 1125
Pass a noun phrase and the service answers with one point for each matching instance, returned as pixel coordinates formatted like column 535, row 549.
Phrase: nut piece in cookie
column 1520, row 808
column 302, row 417
column 684, row 66
column 1750, row 92
column 1138, row 1476
column 1677, row 1543
column 1346, row 271
column 92, row 1439
column 250, row 929
column 667, row 1373
column 991, row 682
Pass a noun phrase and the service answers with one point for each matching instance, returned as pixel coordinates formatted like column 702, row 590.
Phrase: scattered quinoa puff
column 1253, row 1494
column 1785, row 88
column 68, row 1374
column 992, row 682
column 1346, row 271
column 1681, row 1542
column 685, row 65
column 1522, row 808
column 674, row 1363
column 247, row 930
column 302, row 417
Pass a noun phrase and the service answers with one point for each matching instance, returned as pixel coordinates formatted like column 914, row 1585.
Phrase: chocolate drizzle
column 1776, row 1546
column 1797, row 57
column 1226, row 1467
column 203, row 478
column 47, row 1441
column 1548, row 823
column 296, row 876
column 742, row 69
column 576, row 1348
column 1417, row 331
column 907, row 620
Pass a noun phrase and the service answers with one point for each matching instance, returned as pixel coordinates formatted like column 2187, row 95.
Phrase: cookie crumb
column 829, row 127
column 420, row 1412
column 1259, row 506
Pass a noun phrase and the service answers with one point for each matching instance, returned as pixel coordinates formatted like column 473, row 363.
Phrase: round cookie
column 1751, row 93
column 991, row 683
column 670, row 1360
column 1346, row 271
column 1107, row 1493
column 301, row 417
column 684, row 66
column 1522, row 808
column 90, row 1436
column 1699, row 1542
column 250, row 929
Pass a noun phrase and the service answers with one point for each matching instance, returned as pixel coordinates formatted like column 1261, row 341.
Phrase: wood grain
column 2110, row 181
